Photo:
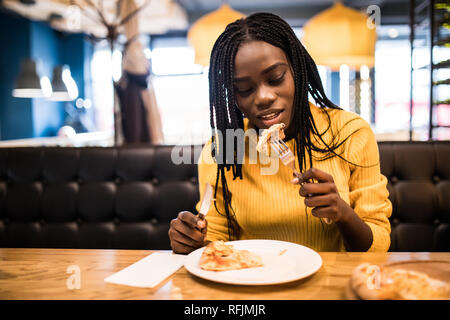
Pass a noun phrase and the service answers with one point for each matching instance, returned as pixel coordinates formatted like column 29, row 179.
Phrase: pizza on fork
column 276, row 131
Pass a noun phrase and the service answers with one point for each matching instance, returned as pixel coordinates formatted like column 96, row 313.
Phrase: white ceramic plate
column 283, row 262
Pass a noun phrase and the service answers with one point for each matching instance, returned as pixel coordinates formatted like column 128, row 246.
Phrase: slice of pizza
column 219, row 256
column 372, row 282
column 412, row 285
column 276, row 131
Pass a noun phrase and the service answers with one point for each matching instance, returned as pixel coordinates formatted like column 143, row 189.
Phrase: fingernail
column 294, row 181
column 201, row 224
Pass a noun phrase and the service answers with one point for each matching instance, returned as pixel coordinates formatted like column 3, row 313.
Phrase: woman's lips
column 271, row 119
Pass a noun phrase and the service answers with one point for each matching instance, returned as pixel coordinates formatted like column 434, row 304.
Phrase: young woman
column 260, row 74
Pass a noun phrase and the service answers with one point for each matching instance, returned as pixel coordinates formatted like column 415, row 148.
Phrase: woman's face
column 264, row 85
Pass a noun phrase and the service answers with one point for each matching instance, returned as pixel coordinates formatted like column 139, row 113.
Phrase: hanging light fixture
column 64, row 87
column 205, row 31
column 29, row 84
column 340, row 35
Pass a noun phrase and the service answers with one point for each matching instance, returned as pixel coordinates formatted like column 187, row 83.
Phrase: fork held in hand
column 284, row 153
column 287, row 157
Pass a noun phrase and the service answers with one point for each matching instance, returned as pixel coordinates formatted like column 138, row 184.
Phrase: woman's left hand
column 322, row 196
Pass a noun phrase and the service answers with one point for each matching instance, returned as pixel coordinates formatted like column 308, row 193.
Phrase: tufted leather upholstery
column 419, row 188
column 125, row 197
column 92, row 197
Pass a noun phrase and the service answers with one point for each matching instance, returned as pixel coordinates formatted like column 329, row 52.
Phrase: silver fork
column 287, row 158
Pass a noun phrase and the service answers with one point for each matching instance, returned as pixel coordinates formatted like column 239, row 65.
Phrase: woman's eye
column 277, row 80
column 244, row 91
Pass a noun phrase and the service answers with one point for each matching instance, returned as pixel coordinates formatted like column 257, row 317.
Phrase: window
column 182, row 92
column 392, row 87
column 103, row 70
column 392, row 80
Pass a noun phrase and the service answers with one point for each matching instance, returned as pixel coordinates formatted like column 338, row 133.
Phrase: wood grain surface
column 42, row 274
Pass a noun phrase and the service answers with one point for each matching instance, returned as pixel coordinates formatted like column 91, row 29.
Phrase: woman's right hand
column 187, row 232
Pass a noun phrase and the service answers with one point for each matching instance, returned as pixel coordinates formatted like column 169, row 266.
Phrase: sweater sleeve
column 207, row 173
column 368, row 191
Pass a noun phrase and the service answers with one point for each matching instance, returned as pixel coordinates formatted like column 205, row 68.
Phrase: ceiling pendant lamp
column 205, row 31
column 64, row 87
column 340, row 35
column 29, row 84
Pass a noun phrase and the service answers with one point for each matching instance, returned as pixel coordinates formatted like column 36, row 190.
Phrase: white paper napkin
column 149, row 271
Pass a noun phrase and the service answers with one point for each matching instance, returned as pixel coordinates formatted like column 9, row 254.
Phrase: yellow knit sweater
column 268, row 206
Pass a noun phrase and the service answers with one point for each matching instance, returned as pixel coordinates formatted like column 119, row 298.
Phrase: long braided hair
column 225, row 114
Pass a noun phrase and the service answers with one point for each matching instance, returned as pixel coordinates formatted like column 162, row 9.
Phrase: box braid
column 225, row 114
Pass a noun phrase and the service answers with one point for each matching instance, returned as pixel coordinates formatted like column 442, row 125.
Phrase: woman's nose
column 264, row 96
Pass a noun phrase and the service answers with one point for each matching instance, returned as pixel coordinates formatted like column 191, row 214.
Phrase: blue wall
column 48, row 116
column 27, row 118
column 15, row 114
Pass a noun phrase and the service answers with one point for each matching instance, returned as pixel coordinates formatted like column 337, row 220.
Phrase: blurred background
column 114, row 72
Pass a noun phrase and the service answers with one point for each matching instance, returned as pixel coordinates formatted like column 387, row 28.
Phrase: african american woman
column 260, row 74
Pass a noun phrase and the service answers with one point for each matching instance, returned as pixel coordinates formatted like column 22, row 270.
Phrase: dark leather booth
column 419, row 189
column 92, row 197
column 125, row 198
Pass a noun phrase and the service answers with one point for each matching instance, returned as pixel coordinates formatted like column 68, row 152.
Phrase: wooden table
column 42, row 274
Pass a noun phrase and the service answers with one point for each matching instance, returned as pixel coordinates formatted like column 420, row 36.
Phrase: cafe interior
column 97, row 98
